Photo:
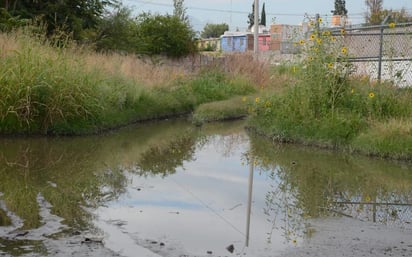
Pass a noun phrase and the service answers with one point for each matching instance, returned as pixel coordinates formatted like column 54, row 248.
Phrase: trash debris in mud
column 119, row 223
column 52, row 184
column 230, row 248
column 89, row 240
column 21, row 233
column 234, row 207
column 209, row 252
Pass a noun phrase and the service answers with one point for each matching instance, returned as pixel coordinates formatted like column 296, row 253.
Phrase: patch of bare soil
column 347, row 237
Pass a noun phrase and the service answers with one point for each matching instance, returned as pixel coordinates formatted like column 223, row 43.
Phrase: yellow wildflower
column 344, row 50
column 368, row 198
column 333, row 38
column 301, row 42
column 320, row 20
column 392, row 25
column 244, row 99
column 312, row 37
column 352, row 91
column 343, row 31
column 326, row 33
column 331, row 65
column 257, row 100
column 371, row 95
column 319, row 40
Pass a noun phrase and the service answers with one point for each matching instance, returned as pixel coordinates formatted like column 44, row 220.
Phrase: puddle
column 171, row 189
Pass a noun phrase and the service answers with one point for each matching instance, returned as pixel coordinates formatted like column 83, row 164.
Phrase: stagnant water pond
column 172, row 189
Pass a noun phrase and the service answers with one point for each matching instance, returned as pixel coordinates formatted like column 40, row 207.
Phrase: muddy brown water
column 171, row 189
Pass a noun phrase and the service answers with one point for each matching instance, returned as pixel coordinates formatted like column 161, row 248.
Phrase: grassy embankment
column 47, row 90
column 326, row 105
column 316, row 101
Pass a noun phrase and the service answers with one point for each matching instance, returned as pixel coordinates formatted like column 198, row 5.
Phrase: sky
column 235, row 12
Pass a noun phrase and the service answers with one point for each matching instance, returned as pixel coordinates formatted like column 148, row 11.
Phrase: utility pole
column 256, row 32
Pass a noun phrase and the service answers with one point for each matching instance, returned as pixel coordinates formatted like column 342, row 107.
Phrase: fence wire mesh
column 381, row 52
column 393, row 214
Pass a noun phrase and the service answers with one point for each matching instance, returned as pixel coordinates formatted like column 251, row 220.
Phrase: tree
column 263, row 16
column 374, row 14
column 400, row 16
column 117, row 32
column 72, row 16
column 164, row 35
column 340, row 8
column 214, row 30
column 179, row 10
column 251, row 17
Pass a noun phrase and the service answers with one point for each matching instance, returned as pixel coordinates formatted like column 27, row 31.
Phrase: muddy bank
column 350, row 237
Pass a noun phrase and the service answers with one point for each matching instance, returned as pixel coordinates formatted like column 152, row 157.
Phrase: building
column 284, row 37
column 243, row 41
column 234, row 42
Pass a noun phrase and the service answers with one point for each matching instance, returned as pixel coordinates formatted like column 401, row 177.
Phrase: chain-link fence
column 381, row 52
column 394, row 214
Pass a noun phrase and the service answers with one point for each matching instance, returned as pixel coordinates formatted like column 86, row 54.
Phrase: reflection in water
column 311, row 184
column 187, row 187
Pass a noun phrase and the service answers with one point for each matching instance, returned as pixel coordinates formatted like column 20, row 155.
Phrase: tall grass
column 72, row 90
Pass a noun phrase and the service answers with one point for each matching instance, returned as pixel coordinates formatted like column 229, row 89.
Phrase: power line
column 216, row 10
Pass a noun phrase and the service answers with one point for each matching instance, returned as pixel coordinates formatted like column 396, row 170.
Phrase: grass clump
column 392, row 138
column 233, row 108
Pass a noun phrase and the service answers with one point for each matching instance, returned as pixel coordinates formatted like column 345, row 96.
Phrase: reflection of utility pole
column 249, row 202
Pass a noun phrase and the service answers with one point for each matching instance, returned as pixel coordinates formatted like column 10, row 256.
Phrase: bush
column 164, row 34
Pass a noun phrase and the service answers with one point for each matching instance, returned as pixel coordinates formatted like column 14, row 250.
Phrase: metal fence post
column 381, row 49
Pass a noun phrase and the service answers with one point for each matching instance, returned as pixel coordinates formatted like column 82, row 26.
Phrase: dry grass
column 245, row 64
column 399, row 126
column 132, row 67
column 151, row 73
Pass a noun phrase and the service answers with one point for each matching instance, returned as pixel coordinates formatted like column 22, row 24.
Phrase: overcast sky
column 235, row 12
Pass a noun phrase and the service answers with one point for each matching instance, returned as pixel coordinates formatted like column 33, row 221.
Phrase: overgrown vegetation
column 49, row 90
column 112, row 29
column 328, row 107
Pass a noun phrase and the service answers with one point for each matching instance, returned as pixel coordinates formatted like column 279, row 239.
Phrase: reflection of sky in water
column 201, row 207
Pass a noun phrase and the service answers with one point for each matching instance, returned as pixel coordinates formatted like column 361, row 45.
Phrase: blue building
column 234, row 42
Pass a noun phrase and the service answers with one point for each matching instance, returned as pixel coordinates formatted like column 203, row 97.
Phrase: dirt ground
column 346, row 237
column 332, row 237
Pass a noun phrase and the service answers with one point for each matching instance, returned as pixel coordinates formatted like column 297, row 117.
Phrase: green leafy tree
column 72, row 16
column 340, row 8
column 164, row 35
column 214, row 30
column 179, row 10
column 263, row 16
column 117, row 32
column 400, row 16
column 9, row 22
